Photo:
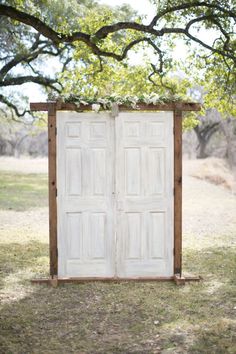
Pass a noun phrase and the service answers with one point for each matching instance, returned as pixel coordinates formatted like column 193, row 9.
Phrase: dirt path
column 24, row 164
column 207, row 208
column 24, row 226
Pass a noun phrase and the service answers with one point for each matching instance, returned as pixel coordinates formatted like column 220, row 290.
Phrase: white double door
column 115, row 194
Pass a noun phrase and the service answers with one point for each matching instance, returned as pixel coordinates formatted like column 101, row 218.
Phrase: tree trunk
column 204, row 135
column 227, row 127
column 202, row 149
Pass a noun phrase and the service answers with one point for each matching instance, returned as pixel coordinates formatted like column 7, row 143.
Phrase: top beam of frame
column 175, row 106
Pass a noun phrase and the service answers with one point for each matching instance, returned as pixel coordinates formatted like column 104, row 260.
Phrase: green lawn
column 129, row 317
column 20, row 191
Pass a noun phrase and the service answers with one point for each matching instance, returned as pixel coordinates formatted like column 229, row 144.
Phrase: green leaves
column 87, row 65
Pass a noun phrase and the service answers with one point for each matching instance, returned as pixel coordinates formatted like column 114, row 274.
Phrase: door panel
column 73, row 177
column 132, row 158
column 144, row 180
column 85, row 145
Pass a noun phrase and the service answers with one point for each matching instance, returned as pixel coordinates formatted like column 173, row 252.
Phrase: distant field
column 112, row 318
column 23, row 183
column 20, row 191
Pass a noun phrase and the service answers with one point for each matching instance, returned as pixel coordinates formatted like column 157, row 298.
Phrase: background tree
column 208, row 126
column 228, row 127
column 83, row 29
column 24, row 51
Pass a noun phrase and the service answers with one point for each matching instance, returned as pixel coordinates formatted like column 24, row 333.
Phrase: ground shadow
column 127, row 317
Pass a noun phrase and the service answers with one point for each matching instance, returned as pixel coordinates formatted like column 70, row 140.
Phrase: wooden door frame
column 177, row 109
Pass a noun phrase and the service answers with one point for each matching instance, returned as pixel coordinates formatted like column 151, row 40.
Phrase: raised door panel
column 73, row 171
column 132, row 157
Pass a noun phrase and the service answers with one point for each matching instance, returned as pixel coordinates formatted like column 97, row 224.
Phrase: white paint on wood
column 99, row 171
column 144, row 181
column 97, row 236
column 74, row 234
column 85, row 168
column 73, row 178
column 132, row 171
column 156, row 235
column 134, row 232
column 115, row 194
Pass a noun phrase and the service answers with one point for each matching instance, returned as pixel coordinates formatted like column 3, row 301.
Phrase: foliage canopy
column 92, row 42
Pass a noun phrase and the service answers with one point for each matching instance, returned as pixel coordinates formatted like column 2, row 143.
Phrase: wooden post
column 52, row 180
column 178, row 192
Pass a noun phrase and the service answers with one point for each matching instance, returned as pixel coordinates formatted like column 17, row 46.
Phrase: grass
column 111, row 318
column 118, row 318
column 20, row 191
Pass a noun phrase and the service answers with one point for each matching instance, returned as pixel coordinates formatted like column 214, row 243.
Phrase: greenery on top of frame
column 106, row 102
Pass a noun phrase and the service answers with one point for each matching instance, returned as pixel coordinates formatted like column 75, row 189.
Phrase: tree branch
column 157, row 71
column 10, row 105
column 44, row 81
column 28, row 57
column 104, row 31
column 190, row 5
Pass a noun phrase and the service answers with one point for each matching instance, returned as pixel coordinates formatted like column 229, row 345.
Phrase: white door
column 115, row 194
column 144, row 180
column 85, row 183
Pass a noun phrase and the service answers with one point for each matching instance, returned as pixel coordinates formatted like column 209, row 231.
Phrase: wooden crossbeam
column 60, row 106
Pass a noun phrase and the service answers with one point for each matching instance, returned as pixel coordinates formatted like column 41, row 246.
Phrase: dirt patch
column 24, row 226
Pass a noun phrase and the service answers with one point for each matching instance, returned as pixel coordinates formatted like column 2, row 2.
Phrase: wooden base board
column 54, row 281
column 180, row 279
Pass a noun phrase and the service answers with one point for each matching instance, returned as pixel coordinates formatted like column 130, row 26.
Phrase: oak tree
column 100, row 37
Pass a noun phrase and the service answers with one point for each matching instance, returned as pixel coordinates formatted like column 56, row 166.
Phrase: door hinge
column 56, row 192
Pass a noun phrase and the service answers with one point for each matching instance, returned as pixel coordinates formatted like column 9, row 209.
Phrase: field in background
column 117, row 318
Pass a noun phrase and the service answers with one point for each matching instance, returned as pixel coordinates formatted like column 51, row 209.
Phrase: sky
column 144, row 7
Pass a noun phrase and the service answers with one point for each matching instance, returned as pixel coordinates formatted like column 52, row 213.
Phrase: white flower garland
column 107, row 102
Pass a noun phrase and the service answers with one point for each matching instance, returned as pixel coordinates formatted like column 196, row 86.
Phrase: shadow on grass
column 127, row 317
